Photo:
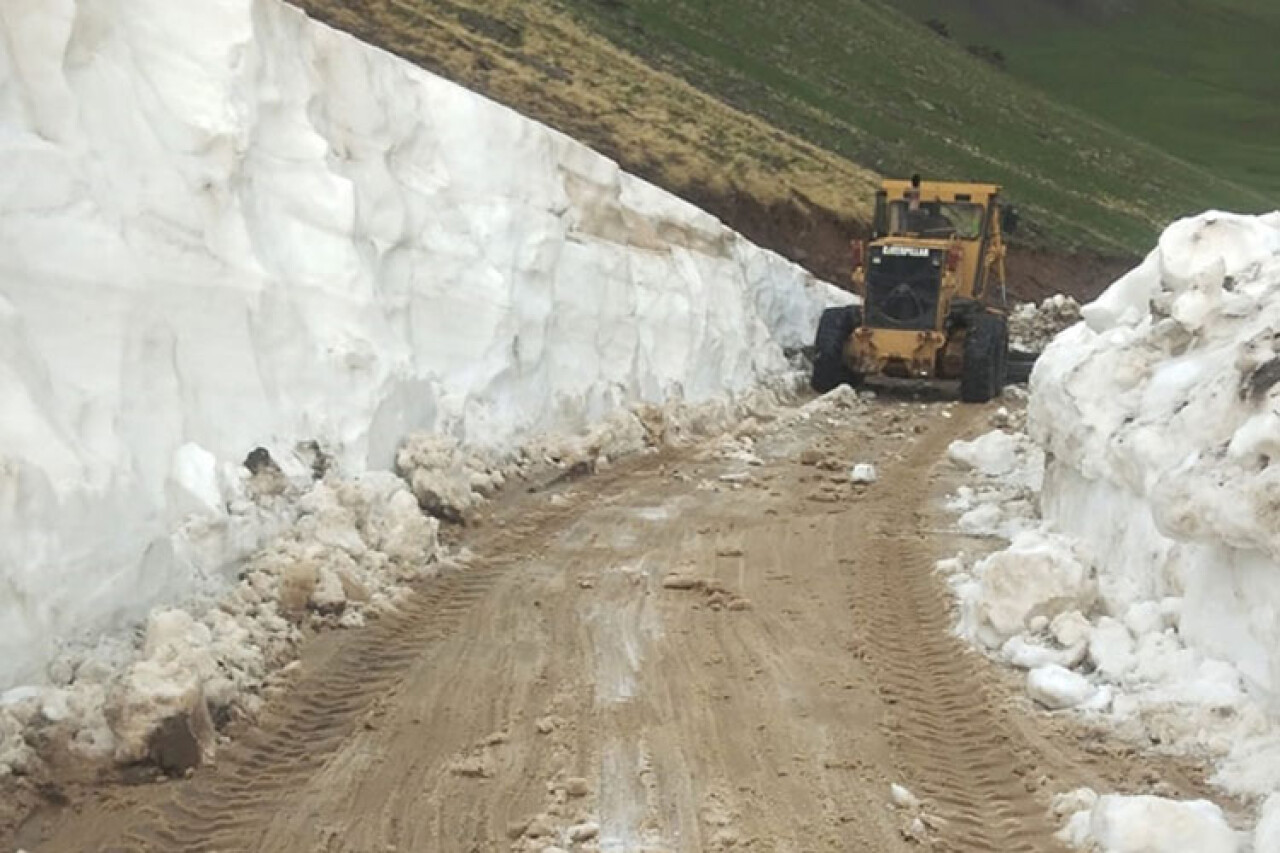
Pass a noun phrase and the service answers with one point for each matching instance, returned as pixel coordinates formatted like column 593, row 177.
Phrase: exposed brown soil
column 688, row 653
column 813, row 236
column 1034, row 275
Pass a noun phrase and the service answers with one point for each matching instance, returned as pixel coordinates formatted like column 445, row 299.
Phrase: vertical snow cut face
column 1161, row 416
column 1147, row 594
column 224, row 226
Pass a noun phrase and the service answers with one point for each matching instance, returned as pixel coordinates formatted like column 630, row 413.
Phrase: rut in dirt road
column 229, row 810
column 258, row 773
column 946, row 726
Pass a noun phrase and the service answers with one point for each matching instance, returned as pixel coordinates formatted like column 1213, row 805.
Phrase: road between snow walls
column 266, row 294
column 1141, row 585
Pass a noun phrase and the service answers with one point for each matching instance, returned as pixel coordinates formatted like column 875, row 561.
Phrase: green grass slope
column 1198, row 78
column 865, row 80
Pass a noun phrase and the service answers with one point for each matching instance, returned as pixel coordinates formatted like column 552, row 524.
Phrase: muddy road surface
column 726, row 647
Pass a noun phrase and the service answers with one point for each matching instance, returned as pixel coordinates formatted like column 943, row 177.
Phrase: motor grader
column 932, row 284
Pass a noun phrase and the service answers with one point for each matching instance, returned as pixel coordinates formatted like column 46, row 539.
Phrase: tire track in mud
column 783, row 723
column 955, row 747
column 230, row 808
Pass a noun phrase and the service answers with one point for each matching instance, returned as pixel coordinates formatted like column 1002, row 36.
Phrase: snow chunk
column 863, row 473
column 903, row 798
column 164, row 688
column 1027, row 654
column 446, row 480
column 1071, row 629
column 1144, row 617
column 1057, row 688
column 1038, row 576
column 992, row 454
column 194, row 482
column 840, row 398
column 16, row 755
column 984, row 518
column 1146, row 824
column 1125, row 303
column 1111, row 648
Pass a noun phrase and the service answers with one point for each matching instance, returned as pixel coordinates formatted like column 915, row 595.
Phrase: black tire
column 1020, row 366
column 986, row 359
column 834, row 328
column 1002, row 372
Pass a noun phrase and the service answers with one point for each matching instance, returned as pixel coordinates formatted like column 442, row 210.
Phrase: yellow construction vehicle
column 933, row 292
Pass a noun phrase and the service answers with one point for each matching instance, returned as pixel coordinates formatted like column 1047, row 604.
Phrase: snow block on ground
column 863, row 473
column 226, row 227
column 1057, row 688
column 1146, row 824
column 992, row 454
column 1038, row 577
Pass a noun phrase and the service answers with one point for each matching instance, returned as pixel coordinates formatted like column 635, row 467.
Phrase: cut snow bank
column 224, row 227
column 1162, row 420
column 1150, row 591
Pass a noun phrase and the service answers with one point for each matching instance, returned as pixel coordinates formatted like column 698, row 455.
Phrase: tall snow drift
column 1147, row 594
column 1161, row 417
column 223, row 226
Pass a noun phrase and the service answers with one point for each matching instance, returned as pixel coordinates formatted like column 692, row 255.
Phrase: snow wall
column 224, row 226
column 1160, row 416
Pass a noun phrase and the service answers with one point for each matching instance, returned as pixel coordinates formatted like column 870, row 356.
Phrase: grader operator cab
column 933, row 292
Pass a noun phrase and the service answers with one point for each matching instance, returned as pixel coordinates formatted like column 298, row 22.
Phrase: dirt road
column 696, row 651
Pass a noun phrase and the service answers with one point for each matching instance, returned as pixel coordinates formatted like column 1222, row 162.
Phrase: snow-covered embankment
column 224, row 227
column 1150, row 593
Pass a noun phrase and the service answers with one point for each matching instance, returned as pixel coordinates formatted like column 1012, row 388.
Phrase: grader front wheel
column 829, row 368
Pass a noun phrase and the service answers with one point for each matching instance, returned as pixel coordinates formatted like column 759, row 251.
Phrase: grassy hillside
column 862, row 79
column 1199, row 78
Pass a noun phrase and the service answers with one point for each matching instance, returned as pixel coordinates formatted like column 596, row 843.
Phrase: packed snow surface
column 225, row 227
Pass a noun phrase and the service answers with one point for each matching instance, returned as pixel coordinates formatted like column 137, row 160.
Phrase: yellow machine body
column 908, row 328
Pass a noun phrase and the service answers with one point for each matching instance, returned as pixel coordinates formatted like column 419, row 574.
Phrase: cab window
column 937, row 219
